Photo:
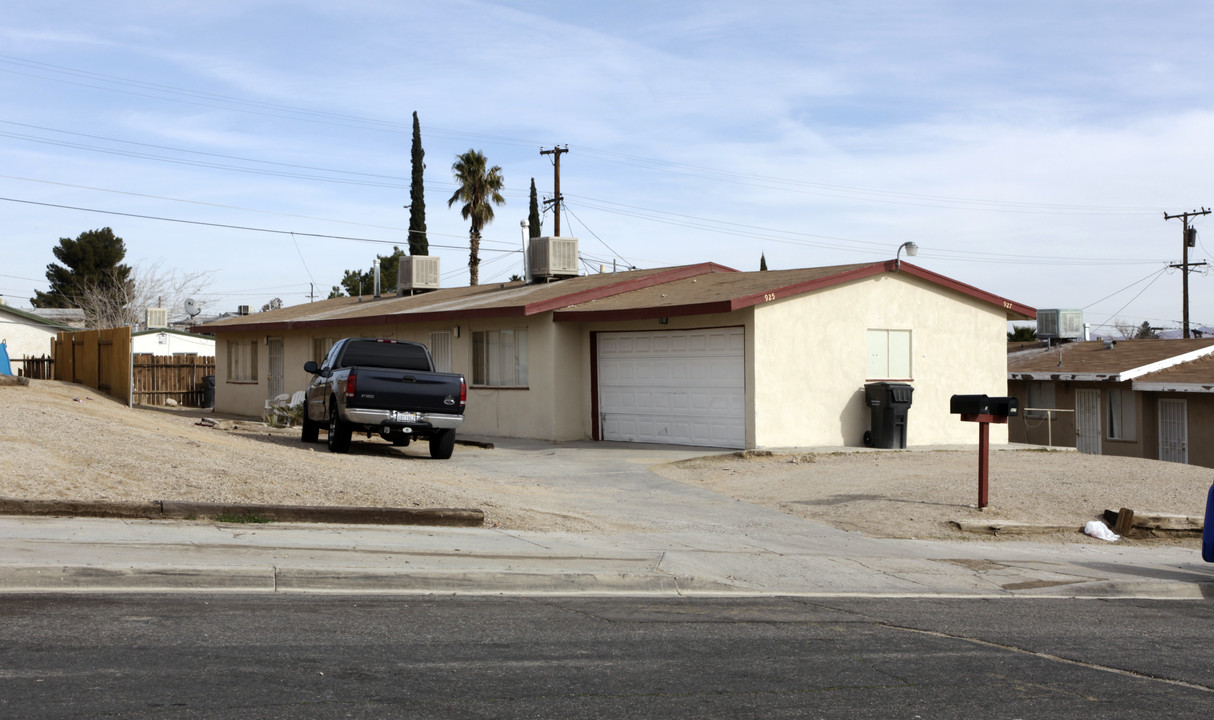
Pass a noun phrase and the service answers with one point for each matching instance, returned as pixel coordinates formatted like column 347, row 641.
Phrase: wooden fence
column 157, row 378
column 100, row 359
column 37, row 368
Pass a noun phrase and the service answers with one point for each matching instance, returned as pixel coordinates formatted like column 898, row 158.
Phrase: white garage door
column 683, row 387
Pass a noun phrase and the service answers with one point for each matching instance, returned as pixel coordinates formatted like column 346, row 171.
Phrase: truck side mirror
column 310, row 366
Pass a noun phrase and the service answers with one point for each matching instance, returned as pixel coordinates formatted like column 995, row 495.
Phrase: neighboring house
column 696, row 354
column 1135, row 398
column 162, row 341
column 27, row 334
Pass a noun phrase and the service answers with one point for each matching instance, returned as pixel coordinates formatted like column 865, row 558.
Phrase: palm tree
column 479, row 190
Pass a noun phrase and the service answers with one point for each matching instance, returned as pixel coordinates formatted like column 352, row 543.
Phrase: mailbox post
column 984, row 411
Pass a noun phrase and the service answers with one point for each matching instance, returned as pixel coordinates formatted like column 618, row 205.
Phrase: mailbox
column 970, row 405
column 983, row 405
column 1005, row 406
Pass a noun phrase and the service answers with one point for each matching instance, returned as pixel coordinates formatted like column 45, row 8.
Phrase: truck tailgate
column 408, row 390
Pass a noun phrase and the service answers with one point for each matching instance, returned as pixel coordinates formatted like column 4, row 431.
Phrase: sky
column 1030, row 149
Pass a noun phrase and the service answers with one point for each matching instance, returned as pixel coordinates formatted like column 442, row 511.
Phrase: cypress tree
column 418, row 245
column 762, row 262
column 533, row 217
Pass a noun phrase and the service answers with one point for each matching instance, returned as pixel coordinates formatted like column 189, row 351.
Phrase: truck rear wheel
column 339, row 432
column 442, row 444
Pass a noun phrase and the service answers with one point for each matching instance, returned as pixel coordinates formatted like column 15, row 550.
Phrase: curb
column 1011, row 528
column 273, row 579
column 173, row 510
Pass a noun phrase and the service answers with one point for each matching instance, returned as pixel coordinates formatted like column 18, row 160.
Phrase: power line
column 1127, row 287
column 220, row 205
column 232, row 227
column 596, row 236
column 168, row 92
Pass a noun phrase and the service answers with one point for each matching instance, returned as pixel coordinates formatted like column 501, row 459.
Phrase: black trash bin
column 208, row 391
column 888, row 403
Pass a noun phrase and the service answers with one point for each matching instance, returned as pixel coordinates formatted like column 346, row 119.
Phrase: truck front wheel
column 339, row 432
column 442, row 444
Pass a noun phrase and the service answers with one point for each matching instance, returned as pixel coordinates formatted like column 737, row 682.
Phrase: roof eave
column 1067, row 376
column 645, row 313
column 1173, row 387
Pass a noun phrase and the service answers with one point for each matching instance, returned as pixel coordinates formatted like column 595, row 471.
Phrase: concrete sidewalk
column 122, row 555
column 690, row 541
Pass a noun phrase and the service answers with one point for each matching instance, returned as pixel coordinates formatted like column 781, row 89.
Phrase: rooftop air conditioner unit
column 417, row 272
column 242, row 309
column 157, row 318
column 553, row 257
column 1060, row 324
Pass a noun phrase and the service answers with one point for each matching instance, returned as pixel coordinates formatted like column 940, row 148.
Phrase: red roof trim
column 1028, row 312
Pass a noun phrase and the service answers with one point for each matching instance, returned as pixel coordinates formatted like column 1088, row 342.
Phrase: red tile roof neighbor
column 682, row 290
column 1100, row 360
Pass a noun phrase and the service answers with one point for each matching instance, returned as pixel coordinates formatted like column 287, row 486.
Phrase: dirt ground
column 63, row 441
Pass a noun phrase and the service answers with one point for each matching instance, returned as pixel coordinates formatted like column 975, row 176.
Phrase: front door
column 1087, row 421
column 1173, row 431
column 274, row 356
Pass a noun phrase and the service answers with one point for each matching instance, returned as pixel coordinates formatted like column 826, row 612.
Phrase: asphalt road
column 303, row 657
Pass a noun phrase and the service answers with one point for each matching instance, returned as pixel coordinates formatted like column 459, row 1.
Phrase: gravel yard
column 64, row 441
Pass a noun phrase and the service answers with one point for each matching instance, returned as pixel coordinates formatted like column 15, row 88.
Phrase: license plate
column 403, row 417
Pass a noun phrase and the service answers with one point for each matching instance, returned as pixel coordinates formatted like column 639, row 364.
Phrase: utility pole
column 1188, row 238
column 555, row 202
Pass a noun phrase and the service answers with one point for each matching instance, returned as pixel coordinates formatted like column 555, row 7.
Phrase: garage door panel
column 677, row 386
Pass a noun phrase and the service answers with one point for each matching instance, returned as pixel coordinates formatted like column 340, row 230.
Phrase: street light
column 911, row 251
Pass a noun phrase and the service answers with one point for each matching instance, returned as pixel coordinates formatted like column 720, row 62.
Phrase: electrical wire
column 1140, row 292
column 1127, row 287
column 176, row 94
column 596, row 236
column 232, row 227
column 225, row 207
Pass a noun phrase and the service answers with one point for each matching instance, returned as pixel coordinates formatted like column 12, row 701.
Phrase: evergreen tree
column 534, row 228
column 92, row 264
column 762, row 262
column 480, row 188
column 362, row 282
column 1146, row 332
column 418, row 244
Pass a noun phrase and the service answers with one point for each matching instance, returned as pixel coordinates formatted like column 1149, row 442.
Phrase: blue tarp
column 5, row 367
column 1207, row 533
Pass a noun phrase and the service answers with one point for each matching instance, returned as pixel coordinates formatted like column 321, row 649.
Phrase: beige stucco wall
column 811, row 361
column 25, row 337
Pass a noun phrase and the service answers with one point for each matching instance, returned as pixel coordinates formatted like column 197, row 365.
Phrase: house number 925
column 769, row 297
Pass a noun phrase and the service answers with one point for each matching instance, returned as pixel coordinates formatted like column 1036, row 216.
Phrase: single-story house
column 163, row 341
column 1135, row 398
column 695, row 354
column 27, row 334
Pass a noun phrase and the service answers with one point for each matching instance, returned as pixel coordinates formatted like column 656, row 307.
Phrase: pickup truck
column 386, row 387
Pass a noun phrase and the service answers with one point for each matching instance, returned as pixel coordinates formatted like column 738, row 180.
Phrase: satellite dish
column 191, row 307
